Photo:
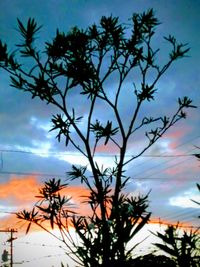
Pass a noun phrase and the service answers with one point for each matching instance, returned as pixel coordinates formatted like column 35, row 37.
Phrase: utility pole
column 11, row 239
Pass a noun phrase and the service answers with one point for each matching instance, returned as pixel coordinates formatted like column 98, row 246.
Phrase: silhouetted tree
column 84, row 63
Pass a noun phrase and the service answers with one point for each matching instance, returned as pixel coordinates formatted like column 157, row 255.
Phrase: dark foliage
column 183, row 247
column 151, row 260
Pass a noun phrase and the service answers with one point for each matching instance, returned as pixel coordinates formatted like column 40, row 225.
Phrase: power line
column 97, row 155
column 64, row 176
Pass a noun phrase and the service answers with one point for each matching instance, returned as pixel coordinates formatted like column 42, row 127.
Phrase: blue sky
column 24, row 122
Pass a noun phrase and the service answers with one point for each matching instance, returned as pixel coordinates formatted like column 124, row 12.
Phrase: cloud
column 176, row 134
column 18, row 191
column 110, row 148
column 184, row 200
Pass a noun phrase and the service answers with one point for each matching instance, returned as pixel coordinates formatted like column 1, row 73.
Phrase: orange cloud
column 19, row 190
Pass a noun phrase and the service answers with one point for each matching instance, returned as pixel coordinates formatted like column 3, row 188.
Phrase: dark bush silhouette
column 184, row 247
column 151, row 260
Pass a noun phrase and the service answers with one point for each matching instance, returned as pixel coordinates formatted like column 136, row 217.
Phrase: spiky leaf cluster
column 184, row 248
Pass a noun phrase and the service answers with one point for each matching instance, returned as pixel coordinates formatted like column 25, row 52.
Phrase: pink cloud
column 110, row 148
column 175, row 135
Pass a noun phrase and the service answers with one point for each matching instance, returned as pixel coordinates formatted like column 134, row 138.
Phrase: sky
column 29, row 153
